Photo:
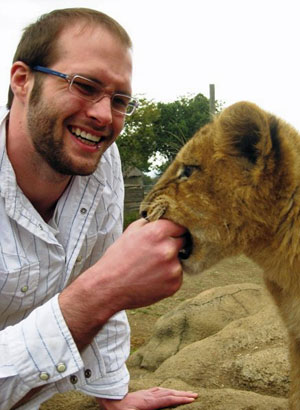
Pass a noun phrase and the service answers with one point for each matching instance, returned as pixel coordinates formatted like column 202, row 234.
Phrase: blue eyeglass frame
column 68, row 78
column 52, row 72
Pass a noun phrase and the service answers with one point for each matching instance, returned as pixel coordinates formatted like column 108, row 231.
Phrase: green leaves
column 178, row 122
column 137, row 141
column 161, row 128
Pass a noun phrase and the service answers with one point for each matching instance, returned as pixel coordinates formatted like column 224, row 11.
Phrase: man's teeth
column 85, row 135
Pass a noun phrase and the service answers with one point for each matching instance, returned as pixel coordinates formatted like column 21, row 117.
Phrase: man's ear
column 20, row 80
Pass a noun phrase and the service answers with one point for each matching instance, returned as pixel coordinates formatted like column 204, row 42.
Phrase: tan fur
column 235, row 187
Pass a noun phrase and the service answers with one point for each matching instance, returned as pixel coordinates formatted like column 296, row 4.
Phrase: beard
column 47, row 137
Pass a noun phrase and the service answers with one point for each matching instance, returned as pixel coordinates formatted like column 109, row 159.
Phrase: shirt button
column 87, row 373
column 41, row 227
column 44, row 376
column 73, row 379
column 24, row 289
column 61, row 367
column 83, row 210
column 79, row 259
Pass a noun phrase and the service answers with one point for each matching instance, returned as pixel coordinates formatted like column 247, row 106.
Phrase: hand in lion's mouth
column 187, row 249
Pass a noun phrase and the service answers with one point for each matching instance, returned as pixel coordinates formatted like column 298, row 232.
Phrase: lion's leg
column 289, row 307
column 294, row 398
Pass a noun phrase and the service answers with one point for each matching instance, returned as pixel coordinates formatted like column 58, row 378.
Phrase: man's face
column 57, row 119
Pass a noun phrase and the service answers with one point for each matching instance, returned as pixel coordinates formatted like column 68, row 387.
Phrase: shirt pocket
column 18, row 287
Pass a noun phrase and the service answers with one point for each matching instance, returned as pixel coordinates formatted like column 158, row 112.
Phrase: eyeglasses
column 92, row 91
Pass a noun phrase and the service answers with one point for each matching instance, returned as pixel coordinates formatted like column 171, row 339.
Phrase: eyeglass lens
column 92, row 91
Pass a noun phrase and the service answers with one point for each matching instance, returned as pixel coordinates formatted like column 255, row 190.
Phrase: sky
column 248, row 48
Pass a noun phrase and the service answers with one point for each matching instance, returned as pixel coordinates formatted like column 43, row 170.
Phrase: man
column 67, row 273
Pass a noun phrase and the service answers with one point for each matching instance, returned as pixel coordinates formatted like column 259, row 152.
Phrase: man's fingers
column 171, row 228
column 139, row 223
column 164, row 228
column 168, row 227
column 168, row 397
column 161, row 391
column 156, row 398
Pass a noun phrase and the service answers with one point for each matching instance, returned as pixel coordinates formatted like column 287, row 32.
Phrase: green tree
column 177, row 123
column 137, row 142
column 160, row 130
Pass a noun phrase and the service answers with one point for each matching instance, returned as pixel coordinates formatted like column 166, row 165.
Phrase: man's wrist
column 108, row 404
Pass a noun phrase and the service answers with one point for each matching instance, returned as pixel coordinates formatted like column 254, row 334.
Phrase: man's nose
column 101, row 110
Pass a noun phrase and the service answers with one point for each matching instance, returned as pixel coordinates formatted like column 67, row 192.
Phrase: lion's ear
column 244, row 130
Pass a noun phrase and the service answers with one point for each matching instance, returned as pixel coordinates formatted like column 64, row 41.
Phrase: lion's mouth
column 186, row 251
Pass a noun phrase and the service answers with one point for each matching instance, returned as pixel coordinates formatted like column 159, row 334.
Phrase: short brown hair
column 37, row 44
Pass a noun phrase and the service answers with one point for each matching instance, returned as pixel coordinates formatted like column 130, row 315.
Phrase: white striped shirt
column 37, row 261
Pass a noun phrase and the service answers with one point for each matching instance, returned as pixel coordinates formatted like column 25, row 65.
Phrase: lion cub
column 236, row 187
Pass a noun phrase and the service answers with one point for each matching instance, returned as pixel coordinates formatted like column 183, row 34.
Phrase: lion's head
column 231, row 185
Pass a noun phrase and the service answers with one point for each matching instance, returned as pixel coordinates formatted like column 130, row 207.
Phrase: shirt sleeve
column 105, row 359
column 36, row 351
column 46, row 355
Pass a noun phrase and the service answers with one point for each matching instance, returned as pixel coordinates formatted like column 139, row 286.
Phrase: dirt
column 234, row 270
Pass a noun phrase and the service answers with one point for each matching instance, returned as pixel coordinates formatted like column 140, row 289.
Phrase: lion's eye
column 187, row 171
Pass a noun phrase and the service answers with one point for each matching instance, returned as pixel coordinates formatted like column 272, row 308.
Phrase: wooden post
column 212, row 105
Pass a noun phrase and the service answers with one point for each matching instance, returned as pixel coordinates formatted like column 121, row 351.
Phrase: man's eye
column 119, row 101
column 84, row 88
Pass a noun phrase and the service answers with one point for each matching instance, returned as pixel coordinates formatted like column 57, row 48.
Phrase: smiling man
column 67, row 273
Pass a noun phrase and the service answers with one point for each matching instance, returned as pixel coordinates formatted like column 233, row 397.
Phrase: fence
column 134, row 194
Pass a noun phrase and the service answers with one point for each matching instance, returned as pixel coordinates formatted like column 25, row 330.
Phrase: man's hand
column 143, row 263
column 140, row 268
column 152, row 399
